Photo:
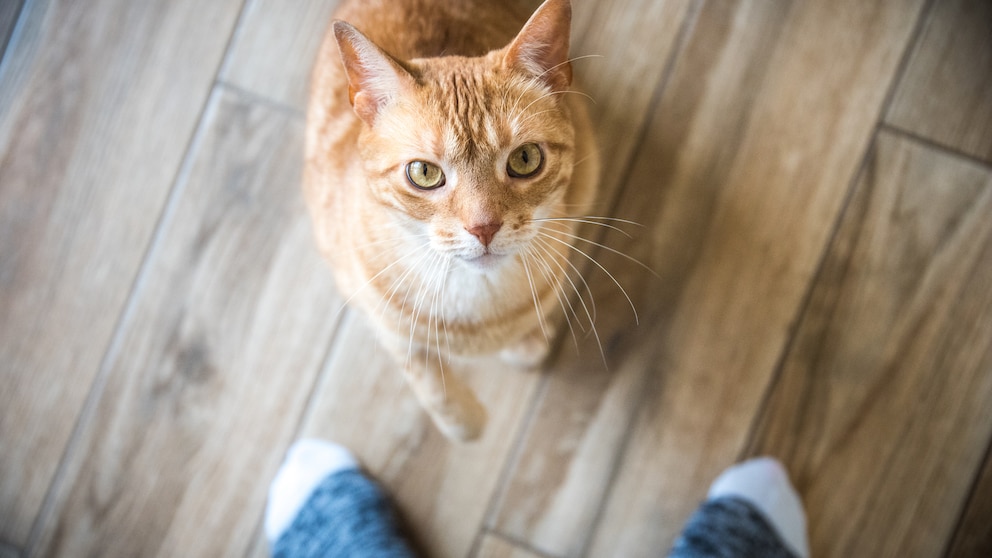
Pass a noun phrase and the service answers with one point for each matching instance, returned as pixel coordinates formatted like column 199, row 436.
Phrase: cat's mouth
column 486, row 261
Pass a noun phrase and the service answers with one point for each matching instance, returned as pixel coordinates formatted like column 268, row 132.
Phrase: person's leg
column 751, row 511
column 321, row 504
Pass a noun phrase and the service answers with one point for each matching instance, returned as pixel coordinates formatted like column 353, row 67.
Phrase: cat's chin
column 486, row 262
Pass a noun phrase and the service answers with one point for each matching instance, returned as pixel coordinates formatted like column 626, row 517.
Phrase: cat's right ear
column 374, row 77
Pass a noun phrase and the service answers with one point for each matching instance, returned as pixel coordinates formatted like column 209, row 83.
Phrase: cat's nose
column 485, row 233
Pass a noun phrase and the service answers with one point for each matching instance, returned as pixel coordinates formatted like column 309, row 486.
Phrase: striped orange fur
column 405, row 88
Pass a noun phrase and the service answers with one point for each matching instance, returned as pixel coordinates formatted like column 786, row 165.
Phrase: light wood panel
column 498, row 547
column 274, row 48
column 946, row 92
column 630, row 42
column 973, row 537
column 99, row 102
column 443, row 489
column 216, row 362
column 889, row 381
column 738, row 184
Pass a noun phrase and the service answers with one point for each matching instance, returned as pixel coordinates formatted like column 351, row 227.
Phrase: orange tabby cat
column 442, row 159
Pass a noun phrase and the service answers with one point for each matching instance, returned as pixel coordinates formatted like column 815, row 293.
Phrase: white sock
column 764, row 483
column 307, row 463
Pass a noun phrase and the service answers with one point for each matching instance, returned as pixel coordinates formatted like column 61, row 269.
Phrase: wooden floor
column 814, row 181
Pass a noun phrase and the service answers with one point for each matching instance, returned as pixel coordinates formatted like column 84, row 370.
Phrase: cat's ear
column 374, row 77
column 541, row 47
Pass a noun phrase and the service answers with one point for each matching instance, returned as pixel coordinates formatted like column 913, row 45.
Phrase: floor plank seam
column 937, row 146
column 510, row 465
column 320, row 379
column 88, row 411
column 263, row 100
column 246, row 7
column 681, row 43
column 96, row 390
column 912, row 44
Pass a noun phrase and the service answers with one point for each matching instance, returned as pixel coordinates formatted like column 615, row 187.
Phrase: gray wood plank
column 9, row 11
column 275, row 46
column 738, row 184
column 99, row 102
column 216, row 361
column 946, row 92
column 889, row 381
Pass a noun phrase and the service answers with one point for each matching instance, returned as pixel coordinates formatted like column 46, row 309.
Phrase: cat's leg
column 531, row 350
column 446, row 398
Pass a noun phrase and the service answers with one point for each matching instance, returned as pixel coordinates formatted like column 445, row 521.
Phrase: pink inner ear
column 374, row 77
column 541, row 47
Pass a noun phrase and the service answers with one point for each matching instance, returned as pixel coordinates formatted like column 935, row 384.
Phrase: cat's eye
column 424, row 175
column 525, row 161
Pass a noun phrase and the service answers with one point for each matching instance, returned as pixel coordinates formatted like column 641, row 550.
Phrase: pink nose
column 485, row 233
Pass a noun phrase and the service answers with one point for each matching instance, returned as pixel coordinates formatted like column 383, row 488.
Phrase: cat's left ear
column 374, row 77
column 541, row 47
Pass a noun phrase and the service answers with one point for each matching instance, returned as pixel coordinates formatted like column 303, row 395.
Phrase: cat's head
column 467, row 152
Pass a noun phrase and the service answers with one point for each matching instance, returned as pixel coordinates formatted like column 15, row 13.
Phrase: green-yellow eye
column 525, row 161
column 424, row 175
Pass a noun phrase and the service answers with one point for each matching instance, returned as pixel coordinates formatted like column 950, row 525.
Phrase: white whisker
column 533, row 293
column 600, row 266
column 585, row 285
column 554, row 220
column 559, row 289
column 617, row 252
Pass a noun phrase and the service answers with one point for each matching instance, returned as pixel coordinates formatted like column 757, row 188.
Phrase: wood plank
column 275, row 46
column 973, row 537
column 889, row 381
column 946, row 92
column 494, row 546
column 99, row 101
column 216, row 360
column 738, row 196
column 9, row 12
column 442, row 489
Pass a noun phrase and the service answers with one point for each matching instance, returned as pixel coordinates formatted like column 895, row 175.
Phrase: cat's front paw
column 463, row 422
column 530, row 352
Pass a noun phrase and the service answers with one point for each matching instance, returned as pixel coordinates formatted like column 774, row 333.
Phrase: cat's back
column 427, row 28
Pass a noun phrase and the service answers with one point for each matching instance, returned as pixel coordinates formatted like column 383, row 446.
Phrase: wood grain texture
column 498, row 547
column 889, row 381
column 946, row 92
column 99, row 102
column 274, row 50
column 738, row 183
column 973, row 537
column 275, row 46
column 443, row 489
column 216, row 361
column 9, row 10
